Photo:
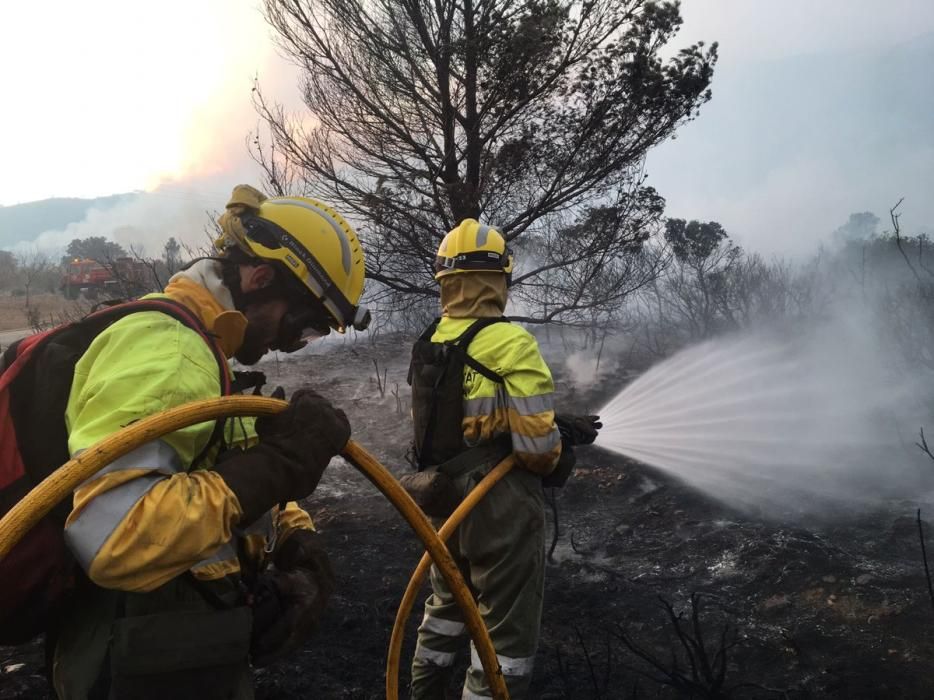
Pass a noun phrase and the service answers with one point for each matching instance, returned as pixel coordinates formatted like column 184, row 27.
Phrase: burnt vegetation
column 535, row 116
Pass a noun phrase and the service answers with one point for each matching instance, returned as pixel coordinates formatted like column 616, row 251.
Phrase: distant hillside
column 23, row 222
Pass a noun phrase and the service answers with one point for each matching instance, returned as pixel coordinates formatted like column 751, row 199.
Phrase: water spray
column 776, row 422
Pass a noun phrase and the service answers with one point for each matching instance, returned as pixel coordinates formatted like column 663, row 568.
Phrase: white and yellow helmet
column 310, row 239
column 473, row 247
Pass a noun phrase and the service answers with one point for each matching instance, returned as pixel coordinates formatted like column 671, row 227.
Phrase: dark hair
column 284, row 285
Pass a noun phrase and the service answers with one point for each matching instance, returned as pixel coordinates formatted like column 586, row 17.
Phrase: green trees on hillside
column 94, row 248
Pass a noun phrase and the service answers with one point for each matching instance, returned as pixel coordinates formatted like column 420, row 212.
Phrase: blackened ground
column 836, row 610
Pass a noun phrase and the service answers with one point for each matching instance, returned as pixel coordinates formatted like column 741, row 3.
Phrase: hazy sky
column 111, row 96
column 114, row 96
column 768, row 29
column 820, row 108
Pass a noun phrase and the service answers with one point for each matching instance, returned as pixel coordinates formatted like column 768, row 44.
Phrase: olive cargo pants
column 500, row 550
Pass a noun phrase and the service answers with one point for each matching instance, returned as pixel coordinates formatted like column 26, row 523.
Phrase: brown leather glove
column 301, row 583
column 295, row 447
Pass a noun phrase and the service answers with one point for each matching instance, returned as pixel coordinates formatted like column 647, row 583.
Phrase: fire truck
column 123, row 277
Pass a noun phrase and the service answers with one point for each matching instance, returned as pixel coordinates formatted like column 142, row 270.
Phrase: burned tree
column 36, row 272
column 696, row 665
column 534, row 115
column 9, row 270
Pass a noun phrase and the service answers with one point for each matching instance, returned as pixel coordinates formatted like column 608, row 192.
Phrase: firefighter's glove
column 304, row 549
column 563, row 468
column 299, row 587
column 287, row 607
column 294, row 448
column 578, row 430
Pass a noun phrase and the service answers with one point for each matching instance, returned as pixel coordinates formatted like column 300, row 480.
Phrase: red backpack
column 35, row 382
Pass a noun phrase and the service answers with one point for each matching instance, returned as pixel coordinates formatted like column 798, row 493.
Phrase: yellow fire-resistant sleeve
column 285, row 522
column 180, row 521
column 145, row 519
column 530, row 389
column 293, row 517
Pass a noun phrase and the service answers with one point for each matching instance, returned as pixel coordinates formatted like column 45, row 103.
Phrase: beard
column 253, row 346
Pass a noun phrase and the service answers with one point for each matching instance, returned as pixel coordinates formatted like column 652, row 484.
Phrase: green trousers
column 500, row 549
column 169, row 643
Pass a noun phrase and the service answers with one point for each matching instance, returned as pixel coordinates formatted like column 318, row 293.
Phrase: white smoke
column 143, row 222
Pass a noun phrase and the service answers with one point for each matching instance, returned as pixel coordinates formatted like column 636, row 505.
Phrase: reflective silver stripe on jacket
column 535, row 445
column 523, row 405
column 225, row 553
column 446, row 628
column 158, row 456
column 90, row 530
column 482, row 406
column 510, row 666
column 438, row 658
column 530, row 405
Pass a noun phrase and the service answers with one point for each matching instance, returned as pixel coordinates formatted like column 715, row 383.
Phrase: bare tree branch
column 533, row 116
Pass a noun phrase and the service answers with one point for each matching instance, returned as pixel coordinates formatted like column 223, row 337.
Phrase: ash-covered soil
column 838, row 609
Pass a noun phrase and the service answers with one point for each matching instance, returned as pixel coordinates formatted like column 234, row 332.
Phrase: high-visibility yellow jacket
column 523, row 406
column 148, row 517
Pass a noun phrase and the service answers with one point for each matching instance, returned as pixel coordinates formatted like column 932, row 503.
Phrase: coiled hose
column 61, row 483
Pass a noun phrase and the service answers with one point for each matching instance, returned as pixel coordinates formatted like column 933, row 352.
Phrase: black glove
column 287, row 608
column 578, row 430
column 562, row 469
column 289, row 600
column 294, row 449
column 304, row 549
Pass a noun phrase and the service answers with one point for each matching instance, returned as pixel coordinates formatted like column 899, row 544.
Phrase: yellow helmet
column 472, row 247
column 310, row 239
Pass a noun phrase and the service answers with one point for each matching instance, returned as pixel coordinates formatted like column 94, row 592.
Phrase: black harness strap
column 458, row 345
column 461, row 343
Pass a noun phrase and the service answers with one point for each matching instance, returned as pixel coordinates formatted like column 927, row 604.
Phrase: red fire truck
column 123, row 277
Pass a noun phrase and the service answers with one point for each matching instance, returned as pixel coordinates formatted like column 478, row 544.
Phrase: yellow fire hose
column 418, row 576
column 60, row 484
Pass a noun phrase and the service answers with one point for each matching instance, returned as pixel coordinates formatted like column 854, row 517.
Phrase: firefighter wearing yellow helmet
column 481, row 391
column 308, row 239
column 198, row 560
column 472, row 247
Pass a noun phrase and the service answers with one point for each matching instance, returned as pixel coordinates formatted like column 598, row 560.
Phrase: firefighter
column 198, row 560
column 503, row 404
